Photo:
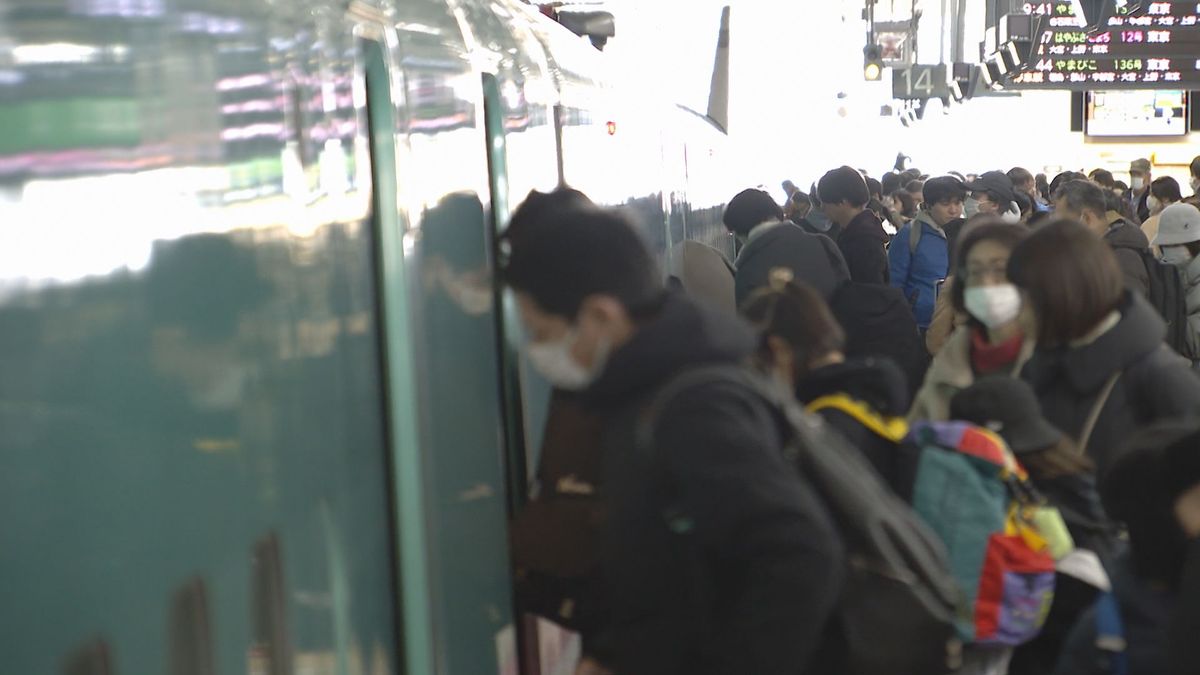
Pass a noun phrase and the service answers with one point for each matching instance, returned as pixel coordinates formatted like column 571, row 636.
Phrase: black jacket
column 1155, row 384
column 813, row 259
column 1126, row 240
column 1145, row 612
column 880, row 385
column 746, row 580
column 1185, row 625
column 862, row 244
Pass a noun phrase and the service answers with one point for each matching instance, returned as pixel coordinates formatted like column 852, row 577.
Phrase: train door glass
column 507, row 328
column 405, row 466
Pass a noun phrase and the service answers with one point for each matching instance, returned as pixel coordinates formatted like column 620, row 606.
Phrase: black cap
column 1008, row 407
column 997, row 182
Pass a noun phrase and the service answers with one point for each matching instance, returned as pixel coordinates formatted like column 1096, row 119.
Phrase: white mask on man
column 552, row 360
column 1138, row 183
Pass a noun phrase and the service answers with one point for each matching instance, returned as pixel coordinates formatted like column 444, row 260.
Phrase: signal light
column 872, row 63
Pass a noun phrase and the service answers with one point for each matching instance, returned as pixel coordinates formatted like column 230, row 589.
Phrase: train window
column 190, row 631
column 94, row 657
column 268, row 611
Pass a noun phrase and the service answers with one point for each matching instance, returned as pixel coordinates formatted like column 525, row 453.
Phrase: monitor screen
column 1137, row 113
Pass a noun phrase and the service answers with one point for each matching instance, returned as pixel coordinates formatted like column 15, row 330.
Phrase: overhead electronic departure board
column 1155, row 46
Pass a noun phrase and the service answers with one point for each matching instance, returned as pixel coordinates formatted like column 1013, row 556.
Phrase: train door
column 407, row 502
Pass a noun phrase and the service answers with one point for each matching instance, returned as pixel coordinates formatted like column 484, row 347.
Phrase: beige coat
column 950, row 373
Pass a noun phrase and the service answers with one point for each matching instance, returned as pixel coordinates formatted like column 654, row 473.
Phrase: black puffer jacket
column 813, row 259
column 744, row 578
column 877, row 383
column 1155, row 383
column 862, row 244
column 1126, row 240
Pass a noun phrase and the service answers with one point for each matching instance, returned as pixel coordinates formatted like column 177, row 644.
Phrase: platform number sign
column 920, row 82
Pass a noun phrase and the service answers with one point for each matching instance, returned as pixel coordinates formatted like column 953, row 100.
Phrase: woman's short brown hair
column 795, row 312
column 1071, row 277
column 985, row 229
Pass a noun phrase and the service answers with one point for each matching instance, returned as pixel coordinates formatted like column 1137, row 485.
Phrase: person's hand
column 588, row 666
column 1187, row 510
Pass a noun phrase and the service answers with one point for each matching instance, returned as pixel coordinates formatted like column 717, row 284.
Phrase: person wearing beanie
column 1178, row 238
column 771, row 242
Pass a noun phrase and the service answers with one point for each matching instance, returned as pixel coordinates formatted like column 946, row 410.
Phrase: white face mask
column 1195, row 184
column 1153, row 204
column 993, row 306
column 1176, row 255
column 1138, row 183
column 554, row 362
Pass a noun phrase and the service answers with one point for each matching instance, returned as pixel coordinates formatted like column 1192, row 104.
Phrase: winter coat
column 1191, row 281
column 719, row 558
column 1126, row 241
column 1145, row 613
column 862, row 244
column 1185, row 625
column 813, row 259
column 950, row 373
column 917, row 273
column 877, row 383
column 1155, row 383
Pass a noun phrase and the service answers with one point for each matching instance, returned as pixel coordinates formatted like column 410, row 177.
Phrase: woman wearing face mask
column 991, row 342
column 1178, row 238
column 1101, row 370
column 1163, row 193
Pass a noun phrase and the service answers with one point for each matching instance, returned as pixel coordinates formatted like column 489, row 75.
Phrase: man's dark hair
column 748, row 209
column 874, row 188
column 562, row 249
column 1043, row 185
column 943, row 189
column 1104, row 178
column 844, row 184
column 915, row 186
column 1071, row 277
column 1195, row 167
column 992, row 229
column 1063, row 178
column 890, row 183
column 1082, row 195
column 795, row 312
column 1166, row 189
column 1020, row 176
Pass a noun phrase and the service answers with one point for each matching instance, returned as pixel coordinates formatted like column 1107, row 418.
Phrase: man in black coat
column 844, row 197
column 718, row 556
column 770, row 243
column 1084, row 201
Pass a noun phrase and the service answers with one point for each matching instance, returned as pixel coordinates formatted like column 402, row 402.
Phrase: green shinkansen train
column 262, row 408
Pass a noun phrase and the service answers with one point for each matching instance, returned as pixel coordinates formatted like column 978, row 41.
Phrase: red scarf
column 988, row 358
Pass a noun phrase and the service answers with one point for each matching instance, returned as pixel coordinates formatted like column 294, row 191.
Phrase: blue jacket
column 917, row 274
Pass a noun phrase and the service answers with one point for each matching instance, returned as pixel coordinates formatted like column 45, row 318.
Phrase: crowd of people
column 1005, row 362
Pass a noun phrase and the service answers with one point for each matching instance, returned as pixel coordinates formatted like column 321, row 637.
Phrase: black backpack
column 896, row 615
column 1168, row 294
column 879, row 322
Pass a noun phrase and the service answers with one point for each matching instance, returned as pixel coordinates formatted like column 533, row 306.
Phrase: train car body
column 262, row 409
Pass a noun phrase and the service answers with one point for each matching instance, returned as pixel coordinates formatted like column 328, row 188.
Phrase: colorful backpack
column 973, row 494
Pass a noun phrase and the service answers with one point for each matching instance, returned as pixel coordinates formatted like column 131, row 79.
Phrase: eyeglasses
column 992, row 272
